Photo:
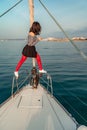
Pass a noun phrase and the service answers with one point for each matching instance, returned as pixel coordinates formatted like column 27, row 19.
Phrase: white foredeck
column 34, row 109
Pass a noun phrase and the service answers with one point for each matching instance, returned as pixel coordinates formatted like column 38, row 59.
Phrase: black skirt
column 29, row 51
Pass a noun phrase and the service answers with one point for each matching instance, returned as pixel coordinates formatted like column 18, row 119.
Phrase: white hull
column 34, row 109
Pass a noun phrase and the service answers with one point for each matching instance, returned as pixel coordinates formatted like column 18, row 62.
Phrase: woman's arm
column 40, row 38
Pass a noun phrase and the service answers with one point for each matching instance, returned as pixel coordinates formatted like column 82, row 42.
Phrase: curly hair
column 35, row 28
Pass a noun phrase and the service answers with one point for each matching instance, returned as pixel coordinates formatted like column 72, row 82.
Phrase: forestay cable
column 78, row 99
column 10, row 8
column 76, row 47
column 75, row 111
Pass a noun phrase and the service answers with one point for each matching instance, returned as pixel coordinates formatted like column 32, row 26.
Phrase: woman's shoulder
column 31, row 34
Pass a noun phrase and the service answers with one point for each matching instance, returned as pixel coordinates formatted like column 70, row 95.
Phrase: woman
column 30, row 50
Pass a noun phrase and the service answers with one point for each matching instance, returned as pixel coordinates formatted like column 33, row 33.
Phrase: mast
column 31, row 9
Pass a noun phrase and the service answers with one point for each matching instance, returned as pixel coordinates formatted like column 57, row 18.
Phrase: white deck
column 34, row 109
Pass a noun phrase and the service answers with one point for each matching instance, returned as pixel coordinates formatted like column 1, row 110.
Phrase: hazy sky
column 71, row 14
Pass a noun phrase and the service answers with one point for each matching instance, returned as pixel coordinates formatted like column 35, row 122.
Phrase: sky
column 70, row 14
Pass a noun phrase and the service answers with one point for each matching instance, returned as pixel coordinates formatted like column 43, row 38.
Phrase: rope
column 75, row 110
column 71, row 105
column 10, row 8
column 23, row 81
column 76, row 47
column 85, row 104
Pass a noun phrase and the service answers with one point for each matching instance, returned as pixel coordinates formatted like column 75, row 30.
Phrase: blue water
column 67, row 68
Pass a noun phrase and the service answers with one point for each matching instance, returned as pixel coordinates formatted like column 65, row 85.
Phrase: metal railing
column 20, row 82
column 47, row 80
column 33, row 78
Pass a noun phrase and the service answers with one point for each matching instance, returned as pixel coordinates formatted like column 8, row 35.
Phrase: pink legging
column 24, row 58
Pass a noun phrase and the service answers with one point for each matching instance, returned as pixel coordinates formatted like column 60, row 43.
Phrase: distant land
column 65, row 39
column 53, row 39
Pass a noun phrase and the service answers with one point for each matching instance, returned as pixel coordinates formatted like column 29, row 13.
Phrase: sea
column 62, row 61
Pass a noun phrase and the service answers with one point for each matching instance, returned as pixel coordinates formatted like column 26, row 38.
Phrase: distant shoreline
column 65, row 39
column 51, row 39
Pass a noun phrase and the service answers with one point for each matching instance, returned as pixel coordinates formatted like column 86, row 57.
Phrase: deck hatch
column 30, row 101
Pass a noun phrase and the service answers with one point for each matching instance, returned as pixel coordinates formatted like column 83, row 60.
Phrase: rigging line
column 76, row 47
column 23, row 81
column 73, row 95
column 74, row 110
column 19, row 84
column 10, row 8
